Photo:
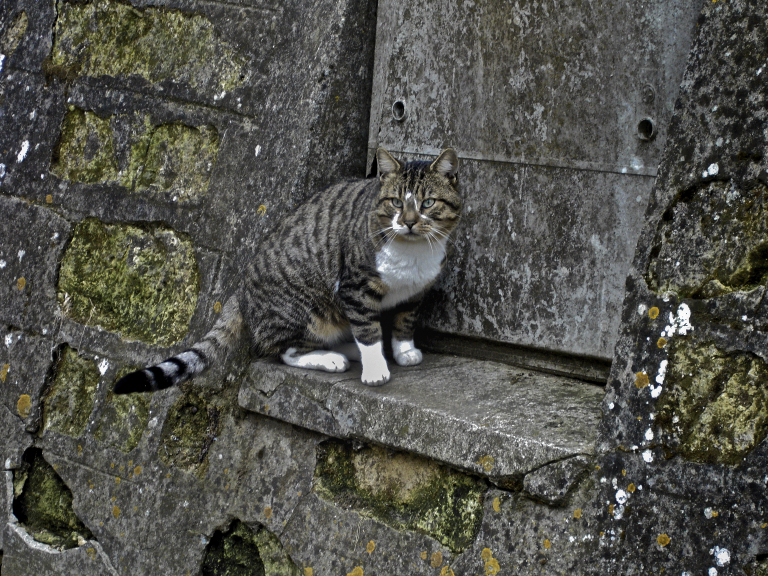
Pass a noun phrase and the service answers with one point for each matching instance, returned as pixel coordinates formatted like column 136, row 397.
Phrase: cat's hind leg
column 316, row 360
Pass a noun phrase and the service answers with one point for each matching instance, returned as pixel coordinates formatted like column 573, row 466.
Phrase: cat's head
column 418, row 201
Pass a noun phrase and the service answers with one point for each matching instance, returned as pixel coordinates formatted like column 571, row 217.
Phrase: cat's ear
column 447, row 164
column 387, row 164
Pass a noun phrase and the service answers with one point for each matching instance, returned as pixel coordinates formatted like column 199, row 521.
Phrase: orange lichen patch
column 491, row 564
column 117, row 479
column 4, row 372
column 424, row 555
column 714, row 513
column 358, row 571
column 661, row 342
column 623, row 472
column 261, row 210
column 486, row 462
column 91, row 553
column 577, row 513
column 663, row 539
column 137, row 471
column 49, row 199
column 653, row 313
column 370, row 547
column 547, row 543
column 610, row 508
column 641, row 380
column 268, row 512
column 20, row 283
column 446, row 571
column 437, row 559
column 217, row 307
column 309, row 572
column 115, row 511
column 496, row 504
column 631, row 487
column 24, row 405
column 764, row 525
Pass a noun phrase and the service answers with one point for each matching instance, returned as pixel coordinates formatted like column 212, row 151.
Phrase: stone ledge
column 491, row 419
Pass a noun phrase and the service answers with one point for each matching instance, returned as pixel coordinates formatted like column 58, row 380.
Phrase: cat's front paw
column 375, row 375
column 405, row 353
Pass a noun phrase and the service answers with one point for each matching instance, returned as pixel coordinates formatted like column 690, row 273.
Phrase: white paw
column 375, row 375
column 405, row 353
column 375, row 370
column 410, row 358
column 316, row 360
column 333, row 362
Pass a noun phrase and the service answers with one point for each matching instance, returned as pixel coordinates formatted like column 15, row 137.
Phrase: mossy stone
column 189, row 430
column 178, row 160
column 241, row 551
column 69, row 400
column 714, row 404
column 85, row 151
column 403, row 491
column 139, row 280
column 107, row 37
column 43, row 504
column 123, row 419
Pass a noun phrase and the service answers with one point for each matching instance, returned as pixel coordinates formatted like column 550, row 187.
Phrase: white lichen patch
column 722, row 556
column 23, row 152
column 648, row 456
column 103, row 366
column 711, row 170
column 680, row 324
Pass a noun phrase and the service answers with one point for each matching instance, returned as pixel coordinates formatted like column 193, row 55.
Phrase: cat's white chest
column 407, row 268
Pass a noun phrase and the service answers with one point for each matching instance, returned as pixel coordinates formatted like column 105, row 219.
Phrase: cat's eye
column 428, row 202
column 397, row 203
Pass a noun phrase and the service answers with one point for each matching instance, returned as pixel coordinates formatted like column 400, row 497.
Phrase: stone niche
column 559, row 113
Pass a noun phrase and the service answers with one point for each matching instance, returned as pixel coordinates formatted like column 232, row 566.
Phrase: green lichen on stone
column 715, row 404
column 43, row 504
column 85, row 151
column 172, row 159
column 241, row 551
column 123, row 419
column 189, row 430
column 178, row 160
column 107, row 37
column 710, row 242
column 139, row 280
column 69, row 400
column 403, row 491
column 14, row 34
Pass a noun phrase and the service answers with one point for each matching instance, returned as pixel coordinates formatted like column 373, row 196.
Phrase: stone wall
column 146, row 146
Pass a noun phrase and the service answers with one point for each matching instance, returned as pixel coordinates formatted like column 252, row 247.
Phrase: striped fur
column 350, row 253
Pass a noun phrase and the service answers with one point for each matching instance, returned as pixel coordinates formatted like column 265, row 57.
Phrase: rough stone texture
column 417, row 411
column 670, row 478
column 685, row 403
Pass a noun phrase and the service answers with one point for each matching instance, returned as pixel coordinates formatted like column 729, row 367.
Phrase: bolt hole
column 398, row 111
column 646, row 129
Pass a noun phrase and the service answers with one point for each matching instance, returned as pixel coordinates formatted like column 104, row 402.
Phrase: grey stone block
column 488, row 418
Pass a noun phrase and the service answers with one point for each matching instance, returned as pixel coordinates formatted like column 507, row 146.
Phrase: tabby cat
column 351, row 252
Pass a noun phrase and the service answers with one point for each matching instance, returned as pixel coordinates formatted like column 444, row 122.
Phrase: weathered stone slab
column 489, row 418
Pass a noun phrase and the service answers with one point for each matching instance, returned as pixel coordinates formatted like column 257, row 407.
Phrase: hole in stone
column 399, row 112
column 646, row 129
column 43, row 504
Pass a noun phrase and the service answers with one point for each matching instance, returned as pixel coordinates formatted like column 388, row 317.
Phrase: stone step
column 511, row 425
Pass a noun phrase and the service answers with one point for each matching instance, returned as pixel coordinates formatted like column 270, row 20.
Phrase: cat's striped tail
column 192, row 361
